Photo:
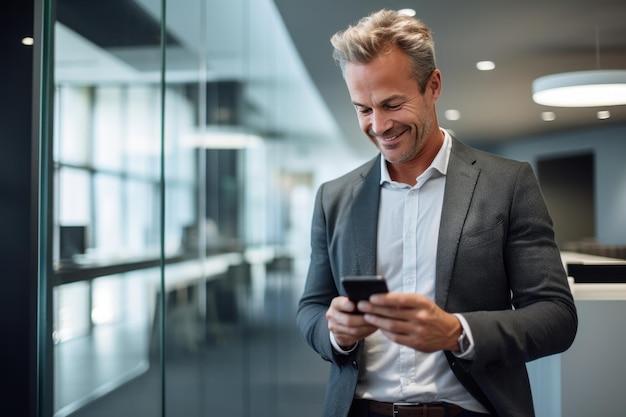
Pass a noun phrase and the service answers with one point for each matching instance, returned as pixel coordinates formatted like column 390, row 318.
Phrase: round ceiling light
column 581, row 89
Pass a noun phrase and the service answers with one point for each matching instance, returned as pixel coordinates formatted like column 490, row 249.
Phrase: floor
column 256, row 365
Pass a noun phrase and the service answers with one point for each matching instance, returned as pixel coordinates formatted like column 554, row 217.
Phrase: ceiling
column 245, row 42
column 525, row 39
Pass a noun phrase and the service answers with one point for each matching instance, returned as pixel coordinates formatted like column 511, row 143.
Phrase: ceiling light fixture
column 485, row 65
column 582, row 88
column 407, row 12
column 604, row 114
column 222, row 137
column 453, row 114
column 548, row 116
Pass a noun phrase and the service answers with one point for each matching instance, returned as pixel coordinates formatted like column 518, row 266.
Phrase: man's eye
column 393, row 107
column 362, row 110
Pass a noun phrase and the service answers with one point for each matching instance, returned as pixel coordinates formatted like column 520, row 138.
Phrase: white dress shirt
column 406, row 257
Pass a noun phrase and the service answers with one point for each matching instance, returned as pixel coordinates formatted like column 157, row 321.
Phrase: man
column 464, row 239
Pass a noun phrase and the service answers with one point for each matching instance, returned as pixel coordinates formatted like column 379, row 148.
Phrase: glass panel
column 185, row 293
column 107, row 167
column 182, row 211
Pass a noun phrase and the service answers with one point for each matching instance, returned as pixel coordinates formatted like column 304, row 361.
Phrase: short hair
column 379, row 33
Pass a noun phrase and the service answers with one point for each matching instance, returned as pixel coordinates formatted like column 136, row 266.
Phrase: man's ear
column 433, row 88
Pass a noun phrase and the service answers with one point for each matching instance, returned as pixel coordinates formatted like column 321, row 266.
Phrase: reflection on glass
column 176, row 223
column 107, row 156
column 71, row 318
column 110, row 345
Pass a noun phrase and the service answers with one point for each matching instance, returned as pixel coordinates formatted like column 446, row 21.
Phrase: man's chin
column 395, row 157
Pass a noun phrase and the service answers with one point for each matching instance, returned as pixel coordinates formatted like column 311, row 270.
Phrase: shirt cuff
column 338, row 348
column 469, row 353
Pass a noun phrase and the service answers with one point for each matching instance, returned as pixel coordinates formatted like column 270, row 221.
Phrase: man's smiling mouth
column 390, row 138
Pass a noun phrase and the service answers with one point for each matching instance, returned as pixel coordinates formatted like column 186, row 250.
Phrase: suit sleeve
column 319, row 290
column 543, row 318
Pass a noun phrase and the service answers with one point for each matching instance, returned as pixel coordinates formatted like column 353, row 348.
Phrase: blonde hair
column 379, row 33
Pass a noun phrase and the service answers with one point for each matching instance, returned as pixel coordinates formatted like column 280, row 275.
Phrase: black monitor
column 72, row 241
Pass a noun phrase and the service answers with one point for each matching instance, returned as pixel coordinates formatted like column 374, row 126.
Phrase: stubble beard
column 417, row 144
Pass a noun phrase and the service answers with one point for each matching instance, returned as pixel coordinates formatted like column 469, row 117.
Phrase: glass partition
column 178, row 227
column 107, row 223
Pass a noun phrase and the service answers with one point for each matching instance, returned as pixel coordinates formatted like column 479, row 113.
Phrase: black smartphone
column 360, row 287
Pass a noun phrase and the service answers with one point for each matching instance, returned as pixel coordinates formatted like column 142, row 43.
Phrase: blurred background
column 181, row 148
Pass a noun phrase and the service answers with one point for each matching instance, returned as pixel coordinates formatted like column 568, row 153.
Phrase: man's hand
column 412, row 320
column 347, row 327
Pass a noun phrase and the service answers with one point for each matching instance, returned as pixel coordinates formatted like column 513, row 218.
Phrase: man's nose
column 380, row 122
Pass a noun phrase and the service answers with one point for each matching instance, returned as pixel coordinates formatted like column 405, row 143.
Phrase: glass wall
column 178, row 226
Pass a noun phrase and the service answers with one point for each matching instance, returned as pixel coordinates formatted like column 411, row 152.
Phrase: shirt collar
column 440, row 163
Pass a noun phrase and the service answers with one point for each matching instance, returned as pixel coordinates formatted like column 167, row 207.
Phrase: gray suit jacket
column 497, row 263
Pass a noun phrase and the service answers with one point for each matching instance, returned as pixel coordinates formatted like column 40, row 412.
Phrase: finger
column 342, row 319
column 343, row 304
column 394, row 325
column 387, row 311
column 350, row 334
column 401, row 300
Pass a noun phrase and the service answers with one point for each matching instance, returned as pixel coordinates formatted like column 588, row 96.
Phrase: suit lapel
column 364, row 218
column 461, row 178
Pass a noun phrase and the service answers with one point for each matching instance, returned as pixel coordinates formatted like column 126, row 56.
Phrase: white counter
column 587, row 379
column 599, row 291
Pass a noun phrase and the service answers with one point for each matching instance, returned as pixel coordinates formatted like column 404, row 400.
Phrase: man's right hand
column 347, row 327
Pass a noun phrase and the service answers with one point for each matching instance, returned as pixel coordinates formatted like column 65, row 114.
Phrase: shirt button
column 405, row 381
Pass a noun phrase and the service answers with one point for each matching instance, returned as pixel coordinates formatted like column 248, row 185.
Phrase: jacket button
column 355, row 365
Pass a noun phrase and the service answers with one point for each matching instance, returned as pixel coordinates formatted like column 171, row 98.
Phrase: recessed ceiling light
column 548, row 116
column 452, row 114
column 604, row 114
column 407, row 12
column 485, row 65
column 28, row 41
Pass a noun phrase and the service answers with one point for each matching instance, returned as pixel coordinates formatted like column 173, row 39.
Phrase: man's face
column 392, row 111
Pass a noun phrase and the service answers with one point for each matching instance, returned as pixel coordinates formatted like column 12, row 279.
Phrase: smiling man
column 395, row 112
column 463, row 238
